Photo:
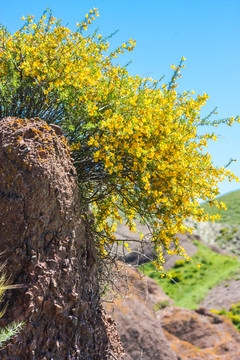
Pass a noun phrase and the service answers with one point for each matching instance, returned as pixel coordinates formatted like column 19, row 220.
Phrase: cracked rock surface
column 48, row 249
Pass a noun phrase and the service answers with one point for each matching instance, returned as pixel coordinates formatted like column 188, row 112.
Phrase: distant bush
column 176, row 277
column 179, row 263
column 162, row 305
column 233, row 314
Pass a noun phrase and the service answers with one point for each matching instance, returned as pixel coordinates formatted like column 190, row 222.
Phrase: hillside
column 189, row 284
column 230, row 216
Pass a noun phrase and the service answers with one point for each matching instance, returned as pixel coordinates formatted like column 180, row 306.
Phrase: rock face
column 48, row 249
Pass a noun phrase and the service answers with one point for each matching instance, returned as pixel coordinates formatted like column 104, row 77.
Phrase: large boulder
column 48, row 249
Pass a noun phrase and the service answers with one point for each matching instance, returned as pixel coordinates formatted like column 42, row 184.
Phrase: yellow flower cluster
column 134, row 142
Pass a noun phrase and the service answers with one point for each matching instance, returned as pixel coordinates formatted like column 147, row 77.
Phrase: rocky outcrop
column 141, row 334
column 170, row 333
column 200, row 334
column 48, row 249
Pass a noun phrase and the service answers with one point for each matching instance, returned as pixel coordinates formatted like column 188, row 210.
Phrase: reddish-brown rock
column 171, row 333
column 200, row 334
column 48, row 249
column 141, row 334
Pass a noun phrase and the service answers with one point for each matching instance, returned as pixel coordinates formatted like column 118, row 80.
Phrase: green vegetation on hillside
column 190, row 284
column 230, row 216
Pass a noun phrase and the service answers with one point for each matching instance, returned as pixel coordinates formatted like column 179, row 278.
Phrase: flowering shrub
column 134, row 141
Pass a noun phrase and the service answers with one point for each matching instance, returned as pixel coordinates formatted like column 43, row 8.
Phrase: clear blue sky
column 206, row 32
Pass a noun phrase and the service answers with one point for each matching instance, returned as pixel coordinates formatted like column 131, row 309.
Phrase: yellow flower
column 136, row 141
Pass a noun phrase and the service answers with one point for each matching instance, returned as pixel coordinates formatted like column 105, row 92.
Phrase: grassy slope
column 193, row 284
column 232, row 215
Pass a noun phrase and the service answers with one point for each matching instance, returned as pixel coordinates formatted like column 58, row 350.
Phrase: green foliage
column 190, row 285
column 11, row 330
column 230, row 216
column 176, row 277
column 233, row 314
column 7, row 333
column 161, row 305
column 227, row 236
column 179, row 263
